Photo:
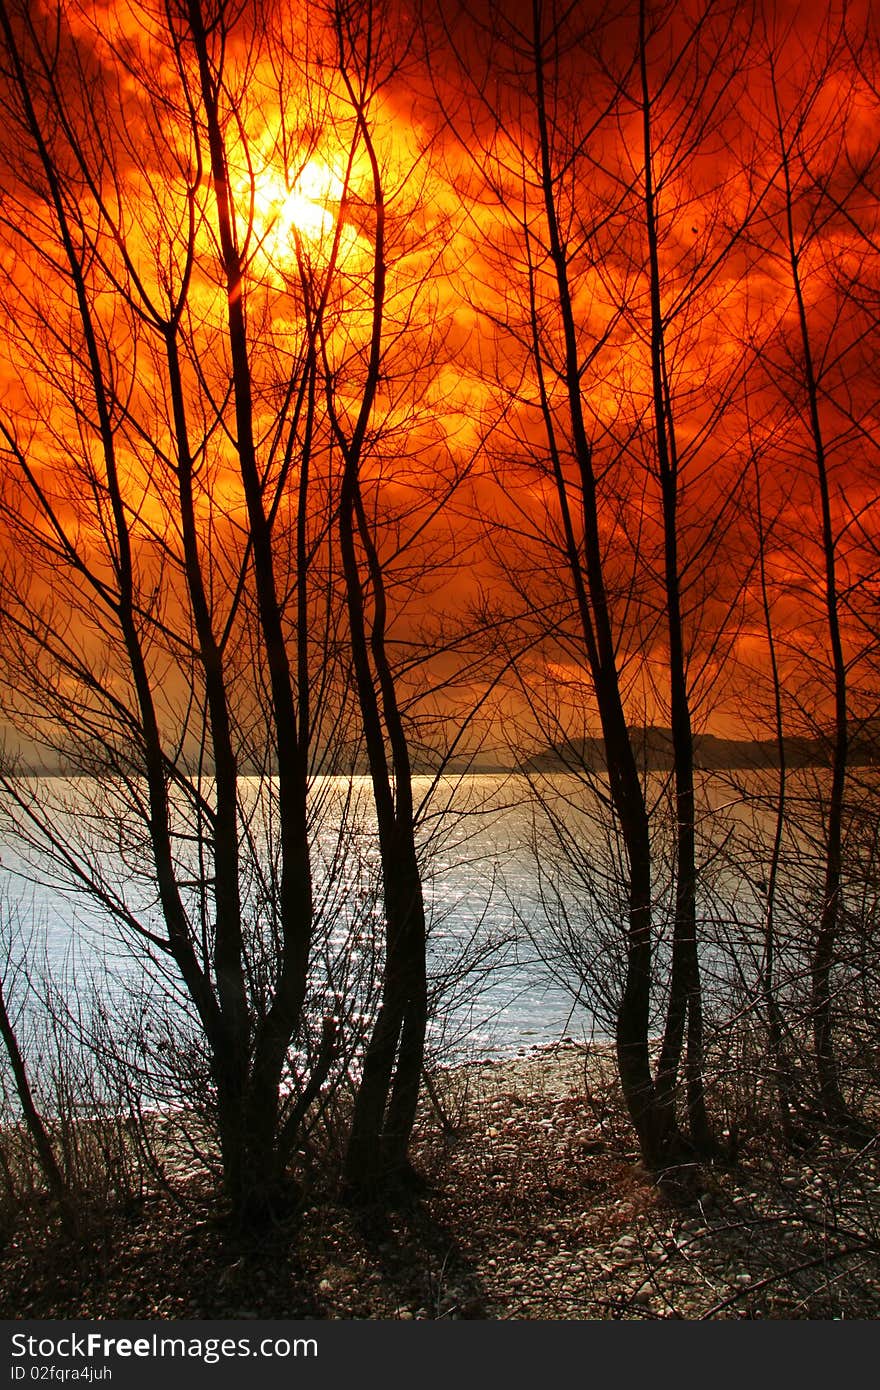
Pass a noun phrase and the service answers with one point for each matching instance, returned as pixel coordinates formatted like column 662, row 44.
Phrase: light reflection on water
column 480, row 882
column 496, row 871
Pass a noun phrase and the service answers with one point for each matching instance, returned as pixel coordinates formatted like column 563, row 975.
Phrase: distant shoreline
column 652, row 745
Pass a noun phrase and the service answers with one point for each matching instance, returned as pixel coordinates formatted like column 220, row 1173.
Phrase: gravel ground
column 534, row 1207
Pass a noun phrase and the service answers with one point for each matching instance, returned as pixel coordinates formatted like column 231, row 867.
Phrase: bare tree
column 818, row 358
column 192, row 637
column 624, row 216
column 371, row 51
column 536, row 139
column 243, row 253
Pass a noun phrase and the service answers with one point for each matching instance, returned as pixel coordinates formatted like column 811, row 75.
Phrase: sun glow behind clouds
column 304, row 208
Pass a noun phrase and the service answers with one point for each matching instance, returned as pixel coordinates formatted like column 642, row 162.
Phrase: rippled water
column 481, row 892
column 500, row 875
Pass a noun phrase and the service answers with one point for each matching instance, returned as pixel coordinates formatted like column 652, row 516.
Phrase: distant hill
column 653, row 746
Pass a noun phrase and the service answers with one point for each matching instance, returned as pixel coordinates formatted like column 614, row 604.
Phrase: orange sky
column 457, row 479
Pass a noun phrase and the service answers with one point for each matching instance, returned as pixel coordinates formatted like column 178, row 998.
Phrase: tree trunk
column 37, row 1130
column 825, row 947
column 685, row 995
column 658, row 1138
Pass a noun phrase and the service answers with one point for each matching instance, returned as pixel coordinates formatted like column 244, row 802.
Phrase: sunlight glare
column 284, row 212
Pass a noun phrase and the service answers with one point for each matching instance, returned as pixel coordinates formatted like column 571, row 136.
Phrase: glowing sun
column 285, row 211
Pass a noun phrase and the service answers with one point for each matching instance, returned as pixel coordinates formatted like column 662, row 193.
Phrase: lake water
column 481, row 886
column 502, row 872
